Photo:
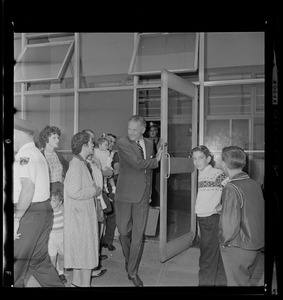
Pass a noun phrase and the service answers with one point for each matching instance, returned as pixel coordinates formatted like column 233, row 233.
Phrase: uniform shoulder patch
column 24, row 161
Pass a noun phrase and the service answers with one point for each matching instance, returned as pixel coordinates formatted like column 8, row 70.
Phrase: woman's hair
column 46, row 133
column 92, row 135
column 234, row 157
column 206, row 152
column 88, row 131
column 78, row 140
column 140, row 119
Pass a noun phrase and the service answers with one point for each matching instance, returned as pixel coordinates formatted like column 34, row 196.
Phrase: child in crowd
column 55, row 243
column 241, row 226
column 210, row 183
column 105, row 157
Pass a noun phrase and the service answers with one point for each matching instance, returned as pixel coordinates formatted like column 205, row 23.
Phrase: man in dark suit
column 133, row 192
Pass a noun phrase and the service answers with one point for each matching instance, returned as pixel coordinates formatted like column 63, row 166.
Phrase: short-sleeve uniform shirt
column 30, row 163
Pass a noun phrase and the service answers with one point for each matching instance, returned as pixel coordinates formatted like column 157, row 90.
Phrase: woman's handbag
column 99, row 210
column 108, row 203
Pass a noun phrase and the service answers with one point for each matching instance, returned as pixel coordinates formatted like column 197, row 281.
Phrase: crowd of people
column 66, row 212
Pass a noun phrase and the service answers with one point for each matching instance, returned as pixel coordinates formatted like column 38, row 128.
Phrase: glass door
column 178, row 179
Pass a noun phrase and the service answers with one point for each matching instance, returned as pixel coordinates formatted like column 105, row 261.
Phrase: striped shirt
column 58, row 221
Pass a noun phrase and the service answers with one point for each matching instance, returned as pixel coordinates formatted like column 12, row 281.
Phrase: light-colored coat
column 81, row 237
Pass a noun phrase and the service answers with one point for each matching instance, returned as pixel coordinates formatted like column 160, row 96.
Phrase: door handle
column 169, row 166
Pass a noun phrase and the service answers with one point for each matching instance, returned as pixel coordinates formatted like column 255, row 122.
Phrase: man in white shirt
column 33, row 216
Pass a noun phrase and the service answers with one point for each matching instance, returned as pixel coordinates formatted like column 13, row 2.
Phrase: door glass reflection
column 179, row 182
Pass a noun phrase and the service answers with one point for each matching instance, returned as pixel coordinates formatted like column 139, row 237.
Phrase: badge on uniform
column 24, row 161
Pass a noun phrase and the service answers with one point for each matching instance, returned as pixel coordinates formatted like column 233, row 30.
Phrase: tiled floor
column 181, row 270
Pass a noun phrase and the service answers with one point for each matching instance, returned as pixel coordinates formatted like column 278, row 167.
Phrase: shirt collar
column 80, row 157
column 141, row 141
column 240, row 176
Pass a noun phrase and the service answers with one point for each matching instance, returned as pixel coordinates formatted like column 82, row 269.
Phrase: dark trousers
column 110, row 227
column 131, row 219
column 211, row 269
column 31, row 250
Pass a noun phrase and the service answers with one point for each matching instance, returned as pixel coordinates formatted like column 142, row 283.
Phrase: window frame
column 158, row 72
column 62, row 68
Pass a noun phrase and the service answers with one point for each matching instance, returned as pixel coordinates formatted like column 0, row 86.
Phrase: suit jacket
column 135, row 173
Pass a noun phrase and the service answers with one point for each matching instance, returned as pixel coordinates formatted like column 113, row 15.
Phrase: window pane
column 240, row 133
column 37, row 38
column 172, row 51
column 53, row 110
column 149, row 103
column 259, row 88
column 228, row 100
column 42, row 62
column 65, row 83
column 259, row 133
column 217, row 134
column 105, row 59
column 234, row 55
column 255, row 167
column 106, row 112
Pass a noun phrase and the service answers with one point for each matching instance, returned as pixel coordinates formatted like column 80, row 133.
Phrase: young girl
column 55, row 243
column 210, row 183
column 105, row 157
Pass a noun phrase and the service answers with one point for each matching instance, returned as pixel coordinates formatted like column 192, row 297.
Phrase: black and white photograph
column 139, row 158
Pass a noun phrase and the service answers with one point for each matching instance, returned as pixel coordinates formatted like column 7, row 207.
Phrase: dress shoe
column 97, row 268
column 75, row 286
column 136, row 280
column 63, row 278
column 103, row 256
column 78, row 286
column 102, row 272
column 109, row 246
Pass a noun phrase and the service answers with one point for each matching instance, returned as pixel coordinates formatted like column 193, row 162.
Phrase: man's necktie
column 140, row 147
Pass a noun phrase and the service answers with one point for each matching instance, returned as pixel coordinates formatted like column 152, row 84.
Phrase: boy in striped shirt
column 55, row 244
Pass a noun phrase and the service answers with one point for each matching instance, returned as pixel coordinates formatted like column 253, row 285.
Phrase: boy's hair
column 57, row 192
column 206, row 152
column 234, row 157
column 102, row 140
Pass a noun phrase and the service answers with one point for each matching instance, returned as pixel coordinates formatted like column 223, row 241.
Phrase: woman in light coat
column 81, row 236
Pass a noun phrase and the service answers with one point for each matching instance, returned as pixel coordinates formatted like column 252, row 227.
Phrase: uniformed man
column 33, row 216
